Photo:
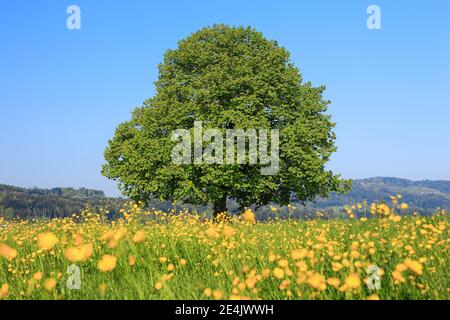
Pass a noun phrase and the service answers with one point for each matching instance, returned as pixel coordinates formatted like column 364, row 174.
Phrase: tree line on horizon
column 424, row 197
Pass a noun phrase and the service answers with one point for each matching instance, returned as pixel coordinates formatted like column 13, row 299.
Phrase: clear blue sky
column 63, row 92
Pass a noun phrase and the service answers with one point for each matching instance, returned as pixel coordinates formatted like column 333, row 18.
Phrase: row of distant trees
column 32, row 203
column 51, row 203
column 25, row 203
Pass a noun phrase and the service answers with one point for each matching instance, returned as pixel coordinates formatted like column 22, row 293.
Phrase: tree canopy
column 227, row 78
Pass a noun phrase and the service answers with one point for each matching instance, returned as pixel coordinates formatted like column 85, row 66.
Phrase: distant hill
column 422, row 196
column 56, row 202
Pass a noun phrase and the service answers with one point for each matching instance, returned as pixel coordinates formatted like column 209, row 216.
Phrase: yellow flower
column 278, row 273
column 38, row 276
column 217, row 294
column 353, row 281
column 301, row 265
column 265, row 273
column 158, row 285
column 7, row 252
column 414, row 266
column 79, row 254
column 120, row 234
column 336, row 266
column 4, row 291
column 212, row 232
column 317, row 281
column 162, row 259
column 50, row 284
column 170, row 267
column 112, row 244
column 299, row 254
column 251, row 282
column 249, row 216
column 228, row 231
column 131, row 260
column 108, row 235
column 373, row 297
column 354, row 254
column 334, row 282
column 183, row 262
column 47, row 241
column 78, row 239
column 401, row 267
column 283, row 263
column 207, row 292
column 345, row 263
column 404, row 206
column 107, row 263
column 398, row 277
column 139, row 236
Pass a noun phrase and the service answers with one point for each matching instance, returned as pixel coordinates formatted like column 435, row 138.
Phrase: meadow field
column 375, row 253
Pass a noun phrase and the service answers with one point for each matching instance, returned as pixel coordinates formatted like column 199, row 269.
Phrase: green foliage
column 228, row 78
column 18, row 202
column 9, row 213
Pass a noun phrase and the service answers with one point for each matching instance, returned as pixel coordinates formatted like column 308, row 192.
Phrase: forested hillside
column 422, row 196
column 56, row 202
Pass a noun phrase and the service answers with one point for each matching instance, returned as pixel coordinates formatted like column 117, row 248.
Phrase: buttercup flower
column 107, row 263
column 47, row 240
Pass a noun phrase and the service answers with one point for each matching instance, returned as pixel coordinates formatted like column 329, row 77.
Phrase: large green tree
column 226, row 77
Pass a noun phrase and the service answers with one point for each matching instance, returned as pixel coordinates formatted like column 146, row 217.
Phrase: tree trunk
column 220, row 206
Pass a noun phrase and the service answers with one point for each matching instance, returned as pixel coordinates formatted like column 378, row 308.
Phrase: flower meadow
column 375, row 253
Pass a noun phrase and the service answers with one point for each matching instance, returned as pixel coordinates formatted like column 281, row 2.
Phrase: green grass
column 215, row 260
